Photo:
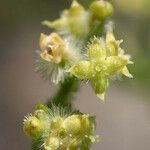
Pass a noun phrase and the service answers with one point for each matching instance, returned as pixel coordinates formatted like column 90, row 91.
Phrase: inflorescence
column 83, row 47
column 59, row 128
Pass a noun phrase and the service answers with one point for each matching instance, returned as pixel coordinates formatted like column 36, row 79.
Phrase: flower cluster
column 75, row 51
column 78, row 21
column 62, row 56
column 60, row 129
column 105, row 59
column 58, row 53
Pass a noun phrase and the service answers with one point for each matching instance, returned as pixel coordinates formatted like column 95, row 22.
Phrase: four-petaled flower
column 105, row 59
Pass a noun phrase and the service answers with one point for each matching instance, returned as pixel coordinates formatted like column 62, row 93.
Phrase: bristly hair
column 49, row 71
column 59, row 110
column 53, row 72
column 109, row 26
column 54, row 112
column 37, row 144
column 26, row 117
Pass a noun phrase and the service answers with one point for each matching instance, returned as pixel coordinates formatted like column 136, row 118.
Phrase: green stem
column 97, row 30
column 71, row 85
column 65, row 93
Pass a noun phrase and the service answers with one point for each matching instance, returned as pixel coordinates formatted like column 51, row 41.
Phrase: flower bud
column 33, row 127
column 40, row 114
column 52, row 143
column 56, row 124
column 101, row 9
column 42, row 107
column 78, row 124
column 72, row 124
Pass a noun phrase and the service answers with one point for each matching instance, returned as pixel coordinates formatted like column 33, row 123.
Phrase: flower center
column 49, row 50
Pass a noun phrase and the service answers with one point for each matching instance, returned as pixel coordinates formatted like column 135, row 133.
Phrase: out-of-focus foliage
column 136, row 7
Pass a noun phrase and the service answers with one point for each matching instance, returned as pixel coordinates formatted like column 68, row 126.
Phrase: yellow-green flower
column 105, row 59
column 75, row 20
column 114, row 49
column 58, row 128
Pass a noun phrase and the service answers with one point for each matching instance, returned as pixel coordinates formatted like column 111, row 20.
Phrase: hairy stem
column 65, row 93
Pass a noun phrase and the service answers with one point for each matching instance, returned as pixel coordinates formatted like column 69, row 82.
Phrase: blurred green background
column 123, row 122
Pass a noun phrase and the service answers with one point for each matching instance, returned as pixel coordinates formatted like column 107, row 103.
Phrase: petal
column 101, row 96
column 110, row 37
column 96, row 50
column 126, row 72
column 42, row 41
column 75, row 9
column 100, row 84
column 59, row 24
column 82, row 70
column 114, row 64
column 112, row 44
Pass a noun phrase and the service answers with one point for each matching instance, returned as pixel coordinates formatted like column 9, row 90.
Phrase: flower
column 75, row 20
column 62, row 128
column 116, row 50
column 56, row 55
column 33, row 126
column 52, row 47
column 105, row 59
